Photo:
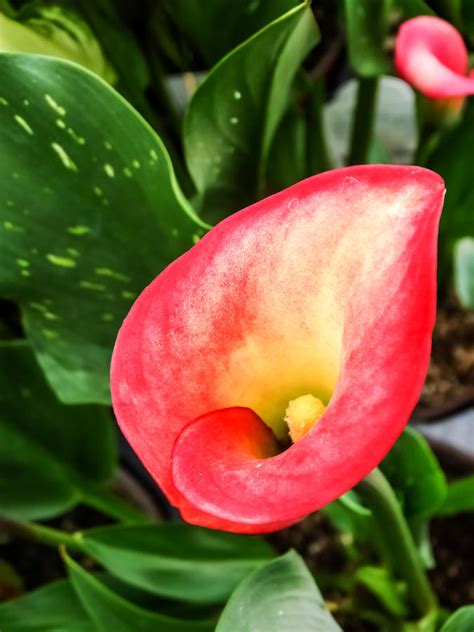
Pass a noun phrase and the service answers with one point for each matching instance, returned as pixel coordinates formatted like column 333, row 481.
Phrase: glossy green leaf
column 110, row 611
column 460, row 497
column 90, row 213
column 215, row 27
column 54, row 607
column 278, row 597
column 299, row 148
column 389, row 592
column 413, row 8
column 287, row 163
column 349, row 515
column 464, row 271
column 56, row 31
column 367, row 28
column 177, row 560
column 50, row 454
column 461, row 621
column 415, row 474
column 234, row 114
column 119, row 44
column 466, row 13
column 450, row 159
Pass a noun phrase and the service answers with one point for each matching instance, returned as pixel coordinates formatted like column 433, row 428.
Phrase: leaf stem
column 39, row 533
column 363, row 120
column 393, row 531
column 317, row 149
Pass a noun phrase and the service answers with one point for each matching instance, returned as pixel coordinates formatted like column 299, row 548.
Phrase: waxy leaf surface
column 415, row 474
column 215, row 27
column 110, row 611
column 234, row 114
column 89, row 211
column 367, row 27
column 177, row 560
column 280, row 596
column 50, row 454
column 52, row 607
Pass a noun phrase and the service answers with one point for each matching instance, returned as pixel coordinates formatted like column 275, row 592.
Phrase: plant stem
column 112, row 505
column 363, row 120
column 396, row 537
column 317, row 149
column 39, row 533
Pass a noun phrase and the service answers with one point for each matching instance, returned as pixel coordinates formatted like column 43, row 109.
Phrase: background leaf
column 215, row 27
column 110, row 611
column 52, row 607
column 349, row 515
column 278, row 597
column 415, row 474
column 461, row 621
column 413, row 8
column 460, row 497
column 57, row 31
column 464, row 271
column 367, row 27
column 49, row 453
column 177, row 560
column 120, row 45
column 233, row 116
column 452, row 159
column 387, row 590
column 90, row 213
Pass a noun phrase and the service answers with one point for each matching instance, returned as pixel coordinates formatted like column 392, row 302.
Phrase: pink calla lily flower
column 309, row 311
column 431, row 55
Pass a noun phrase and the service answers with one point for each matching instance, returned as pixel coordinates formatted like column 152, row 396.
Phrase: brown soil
column 453, row 576
column 449, row 384
column 322, row 548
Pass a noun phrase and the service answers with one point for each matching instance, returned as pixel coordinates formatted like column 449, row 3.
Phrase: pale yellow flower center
column 302, row 414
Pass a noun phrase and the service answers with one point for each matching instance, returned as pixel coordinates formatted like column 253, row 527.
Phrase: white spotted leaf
column 234, row 114
column 90, row 213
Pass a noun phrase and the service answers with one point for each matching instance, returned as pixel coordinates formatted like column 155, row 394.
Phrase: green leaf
column 413, row 8
column 389, row 592
column 287, row 162
column 450, row 159
column 56, row 31
column 109, row 611
column 466, row 21
column 461, row 621
column 49, row 453
column 299, row 147
column 464, row 271
column 278, row 597
column 234, row 114
column 120, row 45
column 52, row 607
column 460, row 497
column 349, row 515
column 367, row 27
column 176, row 560
column 11, row 584
column 90, row 213
column 415, row 474
column 215, row 27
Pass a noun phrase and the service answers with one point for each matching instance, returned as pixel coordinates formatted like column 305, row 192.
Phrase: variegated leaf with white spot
column 90, row 212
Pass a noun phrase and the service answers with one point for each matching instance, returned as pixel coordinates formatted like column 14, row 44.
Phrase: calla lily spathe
column 431, row 55
column 325, row 289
